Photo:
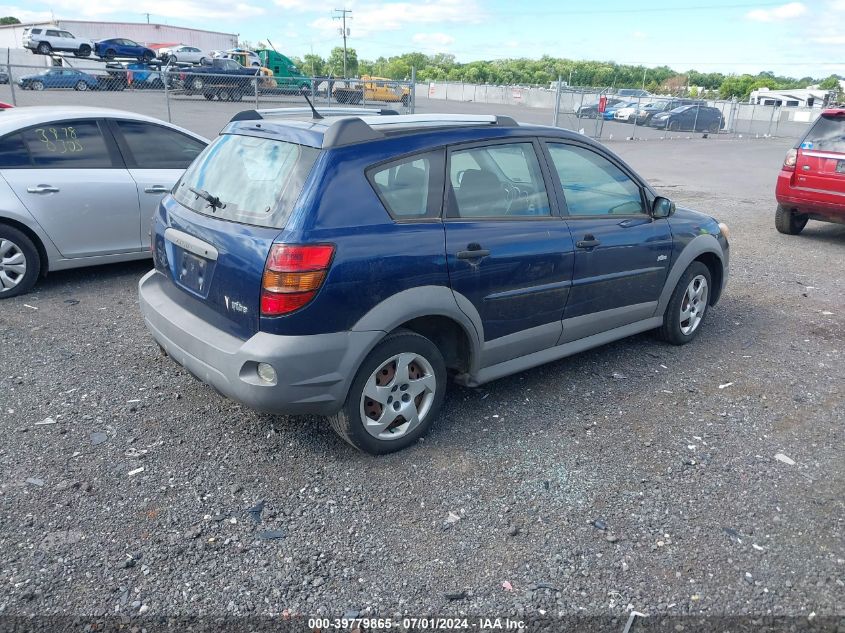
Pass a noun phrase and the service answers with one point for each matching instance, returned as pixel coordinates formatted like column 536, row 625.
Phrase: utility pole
column 342, row 16
column 148, row 17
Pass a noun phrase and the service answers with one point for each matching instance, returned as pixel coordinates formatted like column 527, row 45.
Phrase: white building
column 151, row 35
column 794, row 97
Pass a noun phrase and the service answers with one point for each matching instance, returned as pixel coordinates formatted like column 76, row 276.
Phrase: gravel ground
column 635, row 476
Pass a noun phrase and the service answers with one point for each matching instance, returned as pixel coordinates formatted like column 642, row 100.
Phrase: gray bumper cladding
column 313, row 372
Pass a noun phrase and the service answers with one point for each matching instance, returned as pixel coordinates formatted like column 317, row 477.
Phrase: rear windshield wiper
column 213, row 201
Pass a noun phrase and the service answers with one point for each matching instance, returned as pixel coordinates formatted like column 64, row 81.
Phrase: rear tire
column 17, row 250
column 408, row 372
column 44, row 48
column 688, row 305
column 788, row 222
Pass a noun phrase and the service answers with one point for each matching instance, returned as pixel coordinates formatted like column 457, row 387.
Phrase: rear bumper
column 313, row 372
column 824, row 205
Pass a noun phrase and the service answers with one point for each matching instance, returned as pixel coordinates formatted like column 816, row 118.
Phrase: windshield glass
column 257, row 179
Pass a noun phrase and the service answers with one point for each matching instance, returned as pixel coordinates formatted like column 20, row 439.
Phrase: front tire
column 789, row 223
column 395, row 395
column 687, row 306
column 80, row 85
column 84, row 51
column 673, row 126
column 20, row 264
column 37, row 85
column 110, row 54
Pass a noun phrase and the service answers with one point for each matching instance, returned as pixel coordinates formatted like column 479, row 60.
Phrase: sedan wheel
column 19, row 262
column 395, row 395
column 37, row 85
column 81, row 85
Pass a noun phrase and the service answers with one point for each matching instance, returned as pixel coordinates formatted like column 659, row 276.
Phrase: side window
column 156, row 147
column 13, row 152
column 67, row 145
column 592, row 184
column 498, row 181
column 410, row 188
column 66, row 35
column 52, row 34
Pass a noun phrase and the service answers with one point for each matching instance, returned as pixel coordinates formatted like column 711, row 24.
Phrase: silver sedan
column 79, row 185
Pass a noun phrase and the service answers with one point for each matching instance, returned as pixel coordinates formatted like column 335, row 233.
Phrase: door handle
column 156, row 189
column 43, row 189
column 588, row 242
column 474, row 251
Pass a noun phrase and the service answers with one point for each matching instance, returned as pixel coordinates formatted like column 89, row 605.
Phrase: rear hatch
column 222, row 218
column 820, row 163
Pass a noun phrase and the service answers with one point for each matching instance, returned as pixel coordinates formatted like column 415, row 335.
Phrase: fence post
column 582, row 104
column 11, row 80
column 167, row 94
column 412, row 102
column 557, row 100
column 695, row 123
column 257, row 80
column 771, row 118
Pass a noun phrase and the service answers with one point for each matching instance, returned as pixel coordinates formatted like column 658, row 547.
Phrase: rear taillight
column 292, row 276
column 790, row 160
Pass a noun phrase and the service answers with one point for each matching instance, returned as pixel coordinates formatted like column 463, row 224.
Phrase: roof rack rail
column 254, row 115
column 441, row 120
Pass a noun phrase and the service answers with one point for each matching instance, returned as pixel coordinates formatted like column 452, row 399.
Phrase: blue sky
column 791, row 38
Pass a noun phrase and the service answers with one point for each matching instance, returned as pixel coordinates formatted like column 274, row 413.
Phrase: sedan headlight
column 723, row 228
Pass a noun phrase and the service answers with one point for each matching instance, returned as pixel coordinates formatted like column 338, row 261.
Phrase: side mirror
column 662, row 208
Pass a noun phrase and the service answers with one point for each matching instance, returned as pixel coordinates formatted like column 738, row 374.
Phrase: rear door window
column 410, row 188
column 827, row 134
column 258, row 180
column 156, row 147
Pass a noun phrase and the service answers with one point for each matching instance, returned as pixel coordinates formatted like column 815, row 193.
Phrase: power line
column 344, row 32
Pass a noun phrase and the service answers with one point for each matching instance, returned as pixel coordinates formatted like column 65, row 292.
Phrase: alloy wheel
column 12, row 265
column 398, row 396
column 694, row 304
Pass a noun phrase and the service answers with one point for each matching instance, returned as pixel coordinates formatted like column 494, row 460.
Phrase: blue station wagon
column 346, row 264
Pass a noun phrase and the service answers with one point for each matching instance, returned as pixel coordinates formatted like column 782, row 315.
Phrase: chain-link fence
column 197, row 97
column 624, row 116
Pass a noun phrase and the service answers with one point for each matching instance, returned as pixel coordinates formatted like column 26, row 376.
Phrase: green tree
column 313, row 65
column 335, row 62
column 831, row 83
column 9, row 20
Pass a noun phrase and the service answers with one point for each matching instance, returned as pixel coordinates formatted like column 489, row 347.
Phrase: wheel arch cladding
column 704, row 248
column 431, row 311
column 39, row 246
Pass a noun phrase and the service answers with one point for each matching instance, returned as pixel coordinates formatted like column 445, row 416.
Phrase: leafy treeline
column 543, row 71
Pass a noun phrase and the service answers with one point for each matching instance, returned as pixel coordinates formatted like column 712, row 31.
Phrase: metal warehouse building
column 152, row 35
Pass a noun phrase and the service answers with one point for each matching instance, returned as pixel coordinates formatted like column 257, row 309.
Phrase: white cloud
column 783, row 12
column 373, row 18
column 24, row 15
column 433, row 39
column 836, row 40
column 182, row 9
column 639, row 35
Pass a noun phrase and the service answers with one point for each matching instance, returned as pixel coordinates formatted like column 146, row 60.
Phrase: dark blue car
column 58, row 78
column 121, row 47
column 346, row 266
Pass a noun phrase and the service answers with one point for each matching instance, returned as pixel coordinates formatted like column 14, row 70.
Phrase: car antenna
column 317, row 115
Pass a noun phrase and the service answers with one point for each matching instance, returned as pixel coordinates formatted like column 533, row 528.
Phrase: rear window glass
column 257, row 179
column 827, row 133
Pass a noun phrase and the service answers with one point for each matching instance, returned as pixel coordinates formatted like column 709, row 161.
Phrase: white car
column 184, row 53
column 237, row 54
column 628, row 114
column 79, row 186
column 45, row 40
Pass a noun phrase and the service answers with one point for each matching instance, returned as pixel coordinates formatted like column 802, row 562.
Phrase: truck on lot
column 288, row 77
column 224, row 79
column 370, row 88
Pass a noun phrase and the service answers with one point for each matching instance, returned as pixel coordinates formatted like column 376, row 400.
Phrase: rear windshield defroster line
column 256, row 180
